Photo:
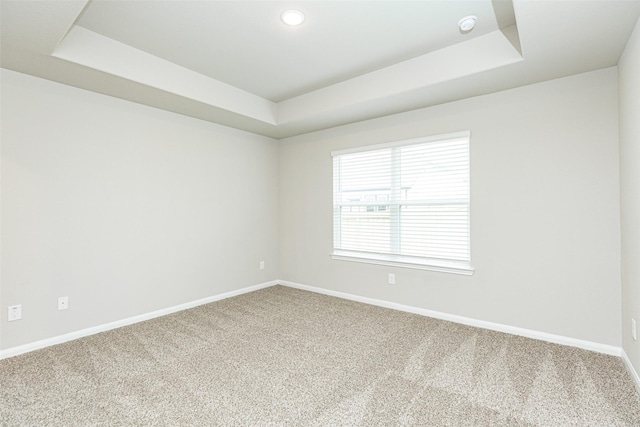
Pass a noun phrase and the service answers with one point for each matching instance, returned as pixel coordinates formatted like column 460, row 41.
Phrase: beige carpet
column 282, row 356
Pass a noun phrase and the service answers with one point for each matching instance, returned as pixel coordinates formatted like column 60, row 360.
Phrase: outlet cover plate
column 14, row 313
column 63, row 303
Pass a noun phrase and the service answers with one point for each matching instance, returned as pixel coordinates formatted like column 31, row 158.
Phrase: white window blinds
column 404, row 203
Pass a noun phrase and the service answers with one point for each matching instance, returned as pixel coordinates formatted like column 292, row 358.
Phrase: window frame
column 396, row 260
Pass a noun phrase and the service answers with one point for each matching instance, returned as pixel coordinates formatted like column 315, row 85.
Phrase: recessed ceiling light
column 292, row 17
column 467, row 23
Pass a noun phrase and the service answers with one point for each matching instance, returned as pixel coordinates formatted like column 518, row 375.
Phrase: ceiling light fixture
column 467, row 23
column 292, row 17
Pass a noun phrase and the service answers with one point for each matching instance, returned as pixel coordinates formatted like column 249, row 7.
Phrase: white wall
column 629, row 98
column 545, row 209
column 118, row 206
column 123, row 208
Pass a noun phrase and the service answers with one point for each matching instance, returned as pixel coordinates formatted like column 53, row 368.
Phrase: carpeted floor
column 282, row 356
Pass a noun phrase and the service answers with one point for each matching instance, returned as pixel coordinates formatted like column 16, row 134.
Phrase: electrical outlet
column 63, row 303
column 261, row 265
column 633, row 330
column 392, row 279
column 14, row 313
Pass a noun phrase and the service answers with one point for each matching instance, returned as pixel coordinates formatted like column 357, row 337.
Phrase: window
column 404, row 203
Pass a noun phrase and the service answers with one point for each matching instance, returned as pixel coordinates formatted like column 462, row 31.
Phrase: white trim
column 557, row 339
column 37, row 345
column 543, row 336
column 403, row 262
column 634, row 374
column 466, row 134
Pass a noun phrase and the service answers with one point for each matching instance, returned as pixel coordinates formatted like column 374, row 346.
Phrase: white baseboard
column 15, row 351
column 556, row 339
column 632, row 371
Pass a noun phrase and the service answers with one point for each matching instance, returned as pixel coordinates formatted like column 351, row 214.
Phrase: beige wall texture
column 629, row 99
column 545, row 217
column 123, row 208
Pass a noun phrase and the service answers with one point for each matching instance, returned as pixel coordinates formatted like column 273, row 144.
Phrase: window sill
column 405, row 262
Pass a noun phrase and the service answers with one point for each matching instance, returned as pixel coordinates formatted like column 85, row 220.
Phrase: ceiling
column 235, row 63
column 246, row 45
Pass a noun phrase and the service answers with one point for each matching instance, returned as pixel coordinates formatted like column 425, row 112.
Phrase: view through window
column 405, row 202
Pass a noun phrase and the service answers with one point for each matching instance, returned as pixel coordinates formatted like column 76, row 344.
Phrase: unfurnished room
column 320, row 213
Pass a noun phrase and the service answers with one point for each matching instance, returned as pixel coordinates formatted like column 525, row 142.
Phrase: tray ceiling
column 235, row 63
